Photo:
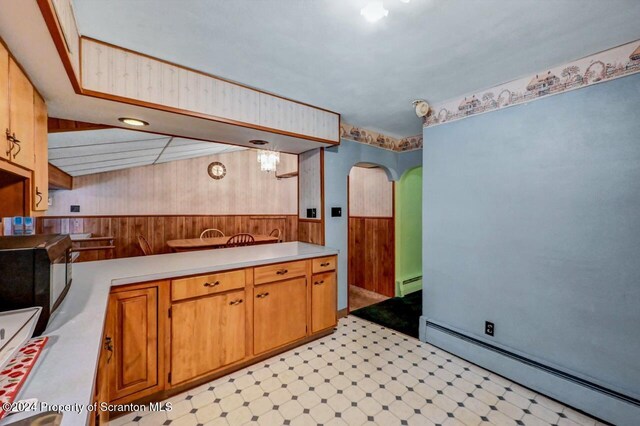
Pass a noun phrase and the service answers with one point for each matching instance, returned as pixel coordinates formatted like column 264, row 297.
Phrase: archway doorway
column 385, row 247
column 371, row 229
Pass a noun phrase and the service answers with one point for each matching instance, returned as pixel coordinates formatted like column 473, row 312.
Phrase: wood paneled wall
column 159, row 229
column 370, row 193
column 183, row 188
column 311, row 231
column 372, row 254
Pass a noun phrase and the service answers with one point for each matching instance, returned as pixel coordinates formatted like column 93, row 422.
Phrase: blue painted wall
column 338, row 161
column 531, row 219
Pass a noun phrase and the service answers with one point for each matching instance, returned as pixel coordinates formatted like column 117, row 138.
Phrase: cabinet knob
column 213, row 284
column 323, row 264
column 282, row 271
column 262, row 295
column 318, row 282
column 236, row 302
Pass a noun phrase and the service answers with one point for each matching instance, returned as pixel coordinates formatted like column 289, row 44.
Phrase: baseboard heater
column 412, row 280
column 538, row 365
column 409, row 285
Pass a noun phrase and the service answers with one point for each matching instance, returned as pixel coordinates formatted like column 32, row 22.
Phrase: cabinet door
column 21, row 115
column 41, row 169
column 206, row 334
column 5, row 145
column 323, row 301
column 279, row 314
column 134, row 328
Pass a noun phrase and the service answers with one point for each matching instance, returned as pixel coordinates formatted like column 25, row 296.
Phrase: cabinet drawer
column 323, row 264
column 280, row 271
column 186, row 288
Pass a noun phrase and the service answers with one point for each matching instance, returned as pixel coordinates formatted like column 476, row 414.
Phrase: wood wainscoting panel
column 372, row 253
column 311, row 231
column 159, row 229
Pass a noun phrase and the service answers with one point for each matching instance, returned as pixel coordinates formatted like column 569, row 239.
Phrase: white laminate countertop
column 66, row 370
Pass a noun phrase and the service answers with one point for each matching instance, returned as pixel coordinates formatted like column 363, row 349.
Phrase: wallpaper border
column 597, row 68
column 380, row 140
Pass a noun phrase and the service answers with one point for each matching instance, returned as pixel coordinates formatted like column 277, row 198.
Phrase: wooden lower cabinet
column 206, row 334
column 323, row 301
column 132, row 342
column 162, row 336
column 279, row 314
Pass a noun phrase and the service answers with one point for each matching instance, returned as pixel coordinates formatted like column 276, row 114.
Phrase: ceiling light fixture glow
column 268, row 160
column 133, row 121
column 374, row 11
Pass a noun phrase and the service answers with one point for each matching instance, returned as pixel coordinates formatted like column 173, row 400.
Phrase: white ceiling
column 95, row 151
column 35, row 51
column 326, row 54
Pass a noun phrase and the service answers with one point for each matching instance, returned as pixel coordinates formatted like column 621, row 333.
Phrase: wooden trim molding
column 323, row 212
column 59, row 179
column 342, row 313
column 59, row 125
column 51, row 20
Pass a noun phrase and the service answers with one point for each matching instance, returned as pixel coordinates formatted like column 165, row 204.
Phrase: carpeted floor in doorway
column 398, row 313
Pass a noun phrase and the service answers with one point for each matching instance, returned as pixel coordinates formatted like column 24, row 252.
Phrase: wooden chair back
column 239, row 240
column 211, row 232
column 144, row 245
column 276, row 233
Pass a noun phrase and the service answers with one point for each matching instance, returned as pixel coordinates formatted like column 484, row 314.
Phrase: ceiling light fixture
column 258, row 142
column 374, row 11
column 133, row 121
column 268, row 160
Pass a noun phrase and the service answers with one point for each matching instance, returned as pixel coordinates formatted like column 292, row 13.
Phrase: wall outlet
column 336, row 211
column 75, row 209
column 311, row 213
column 489, row 328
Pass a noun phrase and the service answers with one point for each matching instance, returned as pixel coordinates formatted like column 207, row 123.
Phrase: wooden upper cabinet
column 41, row 169
column 323, row 301
column 21, row 116
column 5, row 146
column 133, row 332
column 207, row 333
column 279, row 314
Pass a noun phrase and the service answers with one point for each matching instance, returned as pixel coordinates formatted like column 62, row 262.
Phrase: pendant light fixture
column 268, row 160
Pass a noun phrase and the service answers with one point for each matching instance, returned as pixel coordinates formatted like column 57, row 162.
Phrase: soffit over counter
column 174, row 100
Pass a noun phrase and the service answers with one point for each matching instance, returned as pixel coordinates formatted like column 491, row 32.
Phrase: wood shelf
column 286, row 175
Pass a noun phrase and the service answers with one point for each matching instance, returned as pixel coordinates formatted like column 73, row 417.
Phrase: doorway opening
column 385, row 247
column 371, row 275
